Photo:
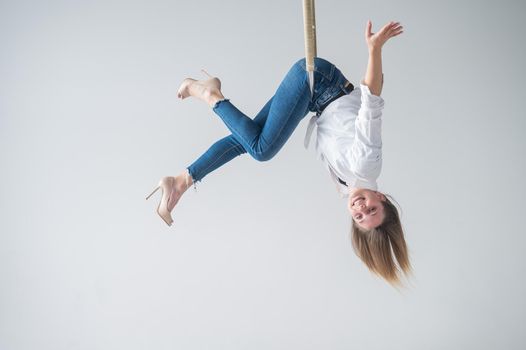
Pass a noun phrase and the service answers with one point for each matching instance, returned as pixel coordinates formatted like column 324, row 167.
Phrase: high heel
column 167, row 185
column 204, row 71
column 210, row 84
column 153, row 192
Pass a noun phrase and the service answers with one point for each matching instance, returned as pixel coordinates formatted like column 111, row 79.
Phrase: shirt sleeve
column 366, row 150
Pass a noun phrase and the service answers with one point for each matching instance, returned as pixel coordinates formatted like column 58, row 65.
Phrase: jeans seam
column 281, row 130
column 277, row 136
column 216, row 160
column 237, row 134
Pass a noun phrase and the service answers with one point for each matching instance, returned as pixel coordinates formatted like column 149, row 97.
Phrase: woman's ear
column 380, row 196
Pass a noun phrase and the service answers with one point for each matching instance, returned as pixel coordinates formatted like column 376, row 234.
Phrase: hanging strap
column 310, row 129
column 309, row 24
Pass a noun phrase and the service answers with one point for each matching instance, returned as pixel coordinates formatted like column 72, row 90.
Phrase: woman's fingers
column 392, row 29
column 386, row 27
column 388, row 31
column 396, row 30
column 395, row 26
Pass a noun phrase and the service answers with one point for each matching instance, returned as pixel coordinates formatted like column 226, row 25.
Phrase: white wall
column 259, row 257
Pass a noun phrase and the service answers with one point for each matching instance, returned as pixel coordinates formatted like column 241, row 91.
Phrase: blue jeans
column 263, row 136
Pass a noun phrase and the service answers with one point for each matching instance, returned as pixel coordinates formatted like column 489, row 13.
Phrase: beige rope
column 309, row 24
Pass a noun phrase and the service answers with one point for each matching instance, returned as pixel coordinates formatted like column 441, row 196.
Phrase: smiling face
column 366, row 208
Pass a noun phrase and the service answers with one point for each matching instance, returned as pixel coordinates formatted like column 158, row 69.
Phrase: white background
column 259, row 257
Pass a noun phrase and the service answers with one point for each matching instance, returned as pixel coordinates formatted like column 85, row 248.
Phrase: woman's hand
column 374, row 76
column 375, row 41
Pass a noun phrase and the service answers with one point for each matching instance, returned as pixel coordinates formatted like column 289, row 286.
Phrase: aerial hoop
column 309, row 24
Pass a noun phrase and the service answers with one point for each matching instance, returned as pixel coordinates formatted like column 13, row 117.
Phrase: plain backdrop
column 259, row 257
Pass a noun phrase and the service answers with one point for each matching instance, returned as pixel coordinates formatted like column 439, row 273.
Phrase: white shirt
column 348, row 139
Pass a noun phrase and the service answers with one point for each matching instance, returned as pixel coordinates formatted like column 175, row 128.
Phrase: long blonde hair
column 383, row 249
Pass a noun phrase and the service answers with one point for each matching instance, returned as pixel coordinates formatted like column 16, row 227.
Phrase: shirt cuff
column 370, row 100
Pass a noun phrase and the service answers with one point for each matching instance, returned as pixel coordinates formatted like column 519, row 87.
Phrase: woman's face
column 366, row 208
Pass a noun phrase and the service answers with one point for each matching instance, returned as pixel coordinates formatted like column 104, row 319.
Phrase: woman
column 348, row 142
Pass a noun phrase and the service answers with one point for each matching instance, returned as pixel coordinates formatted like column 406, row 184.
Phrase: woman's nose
column 361, row 209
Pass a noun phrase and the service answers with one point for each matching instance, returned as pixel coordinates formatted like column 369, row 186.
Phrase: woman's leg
column 289, row 105
column 267, row 132
column 217, row 155
column 223, row 151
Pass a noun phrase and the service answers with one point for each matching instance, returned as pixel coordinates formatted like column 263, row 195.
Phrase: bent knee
column 263, row 156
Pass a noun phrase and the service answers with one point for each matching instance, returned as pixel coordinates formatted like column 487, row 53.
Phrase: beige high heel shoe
column 167, row 185
column 211, row 83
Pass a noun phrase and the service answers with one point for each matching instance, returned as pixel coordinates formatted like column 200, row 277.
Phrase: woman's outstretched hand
column 375, row 41
column 374, row 75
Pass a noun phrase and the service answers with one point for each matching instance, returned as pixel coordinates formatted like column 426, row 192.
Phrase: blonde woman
column 348, row 142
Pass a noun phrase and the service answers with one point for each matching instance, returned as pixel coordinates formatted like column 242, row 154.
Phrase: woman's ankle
column 213, row 96
column 185, row 181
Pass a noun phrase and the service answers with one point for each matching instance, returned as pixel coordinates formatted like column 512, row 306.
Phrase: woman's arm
column 366, row 150
column 373, row 75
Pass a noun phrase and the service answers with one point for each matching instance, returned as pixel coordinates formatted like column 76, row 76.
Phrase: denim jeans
column 263, row 136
